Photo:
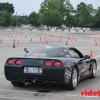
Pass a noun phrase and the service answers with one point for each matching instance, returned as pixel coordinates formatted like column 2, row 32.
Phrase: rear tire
column 17, row 83
column 94, row 69
column 73, row 80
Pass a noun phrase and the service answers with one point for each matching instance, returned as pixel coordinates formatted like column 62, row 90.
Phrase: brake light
column 32, row 58
column 57, row 64
column 10, row 62
column 19, row 62
column 47, row 63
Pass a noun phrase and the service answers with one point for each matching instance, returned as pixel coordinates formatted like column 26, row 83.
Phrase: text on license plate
column 32, row 70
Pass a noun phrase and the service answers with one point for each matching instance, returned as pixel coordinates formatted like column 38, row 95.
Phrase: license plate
column 32, row 70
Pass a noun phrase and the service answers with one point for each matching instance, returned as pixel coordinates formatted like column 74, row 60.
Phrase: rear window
column 48, row 51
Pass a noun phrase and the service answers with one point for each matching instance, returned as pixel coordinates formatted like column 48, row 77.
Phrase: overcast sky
column 27, row 6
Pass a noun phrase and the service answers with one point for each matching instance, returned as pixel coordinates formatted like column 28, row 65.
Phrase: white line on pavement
column 17, row 91
column 7, row 98
column 97, row 56
column 35, row 92
column 91, row 96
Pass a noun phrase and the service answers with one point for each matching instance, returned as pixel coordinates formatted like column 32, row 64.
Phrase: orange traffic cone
column 66, row 40
column 59, row 40
column 42, row 43
column 91, row 54
column 18, row 42
column 40, row 38
column 96, row 43
column 46, row 41
column 1, row 40
column 31, row 40
column 95, row 40
column 13, row 45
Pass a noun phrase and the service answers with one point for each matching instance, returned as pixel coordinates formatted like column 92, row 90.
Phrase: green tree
column 13, row 21
column 51, row 18
column 6, row 11
column 51, row 10
column 6, row 19
column 97, row 17
column 68, row 13
column 85, row 15
column 23, row 19
column 33, row 19
column 6, row 8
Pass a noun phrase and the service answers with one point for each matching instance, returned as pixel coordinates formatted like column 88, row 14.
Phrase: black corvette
column 50, row 64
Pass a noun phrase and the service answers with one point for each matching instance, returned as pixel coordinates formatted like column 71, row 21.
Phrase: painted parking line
column 97, row 56
column 8, row 98
column 55, row 94
column 4, row 90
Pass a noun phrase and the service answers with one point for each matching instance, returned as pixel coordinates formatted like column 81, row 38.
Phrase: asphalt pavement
column 28, row 39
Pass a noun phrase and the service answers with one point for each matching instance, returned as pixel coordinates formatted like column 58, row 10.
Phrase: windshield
column 48, row 51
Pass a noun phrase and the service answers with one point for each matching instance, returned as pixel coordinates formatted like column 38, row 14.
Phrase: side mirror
column 25, row 49
column 87, row 57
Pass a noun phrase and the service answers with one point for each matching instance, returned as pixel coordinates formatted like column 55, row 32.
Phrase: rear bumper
column 48, row 75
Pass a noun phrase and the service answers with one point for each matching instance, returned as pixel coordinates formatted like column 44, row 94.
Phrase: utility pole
column 16, row 19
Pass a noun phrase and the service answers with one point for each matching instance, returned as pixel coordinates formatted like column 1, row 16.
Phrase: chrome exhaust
column 37, row 81
column 30, row 81
column 26, row 81
column 41, row 82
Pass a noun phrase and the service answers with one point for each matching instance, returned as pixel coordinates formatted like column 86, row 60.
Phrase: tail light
column 19, row 62
column 57, row 64
column 48, row 63
column 10, row 62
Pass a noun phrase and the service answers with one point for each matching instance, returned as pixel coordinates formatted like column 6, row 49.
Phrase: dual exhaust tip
column 35, row 81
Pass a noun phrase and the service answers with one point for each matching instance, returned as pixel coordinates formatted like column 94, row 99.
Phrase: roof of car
column 55, row 46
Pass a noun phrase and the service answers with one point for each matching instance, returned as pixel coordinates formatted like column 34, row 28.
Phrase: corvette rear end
column 36, row 70
column 50, row 64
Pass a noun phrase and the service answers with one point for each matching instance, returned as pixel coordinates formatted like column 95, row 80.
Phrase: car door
column 83, row 64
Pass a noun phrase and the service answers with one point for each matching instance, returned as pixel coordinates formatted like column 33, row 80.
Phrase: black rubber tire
column 92, row 75
column 17, row 84
column 70, row 86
